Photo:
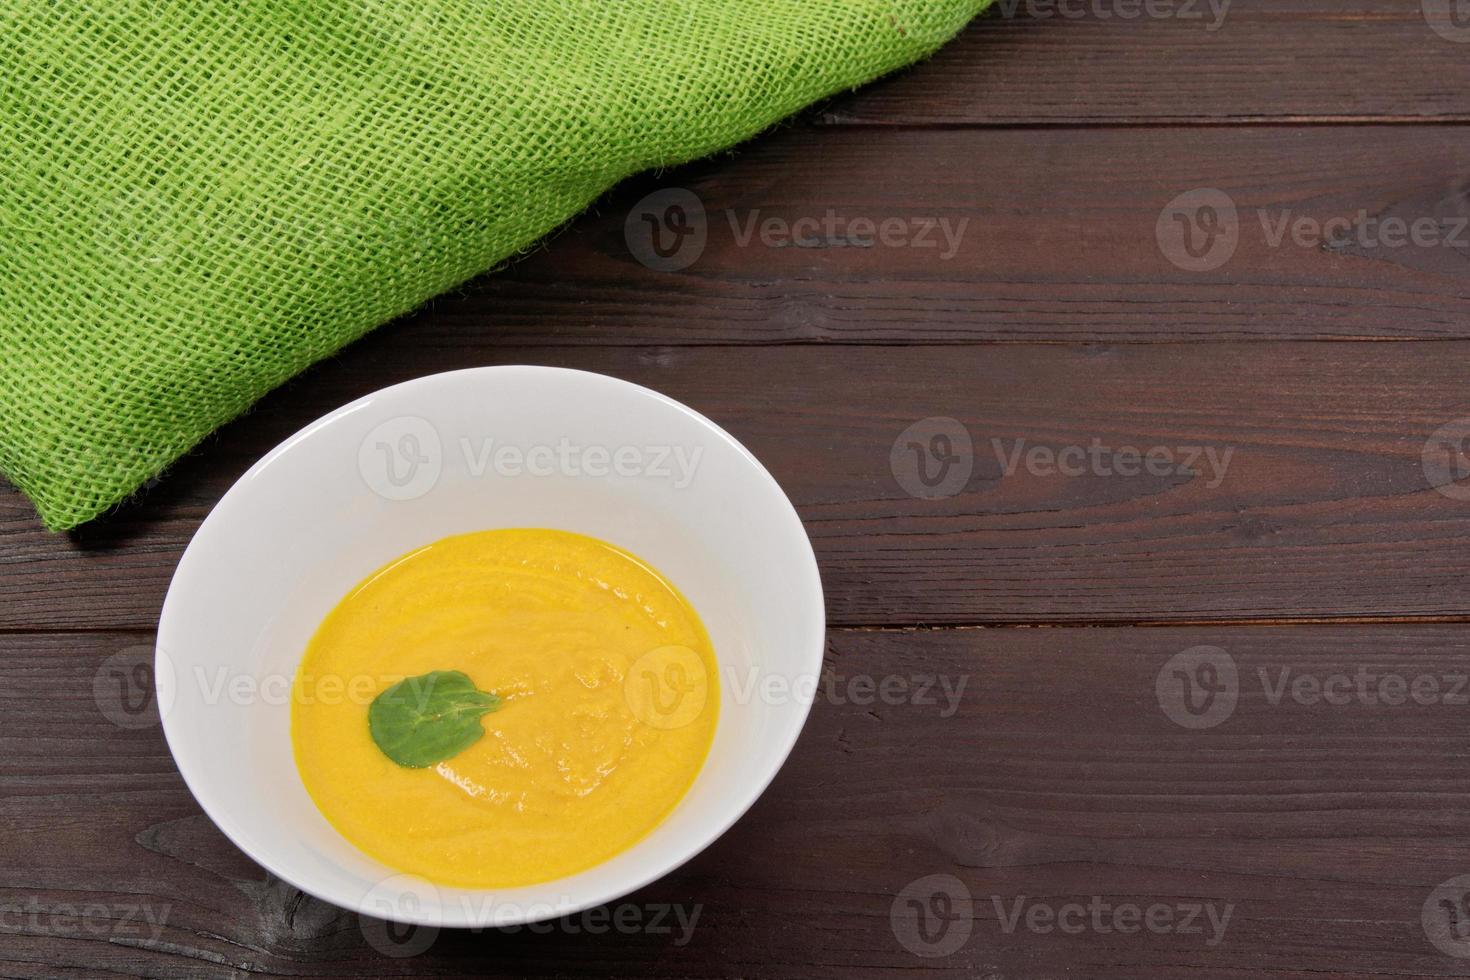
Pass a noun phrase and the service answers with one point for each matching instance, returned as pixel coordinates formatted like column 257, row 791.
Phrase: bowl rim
column 445, row 914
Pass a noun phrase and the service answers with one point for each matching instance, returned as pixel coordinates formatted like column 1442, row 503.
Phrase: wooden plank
column 1013, row 235
column 1054, row 776
column 1316, row 504
column 1095, row 61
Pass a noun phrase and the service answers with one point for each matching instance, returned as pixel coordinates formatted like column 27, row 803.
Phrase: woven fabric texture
column 199, row 198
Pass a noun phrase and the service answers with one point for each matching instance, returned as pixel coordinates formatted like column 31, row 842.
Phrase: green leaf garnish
column 429, row 718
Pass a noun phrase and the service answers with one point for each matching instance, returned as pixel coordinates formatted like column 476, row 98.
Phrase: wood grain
column 1057, row 320
column 1268, row 61
column 1053, row 237
column 1322, row 510
column 1323, row 827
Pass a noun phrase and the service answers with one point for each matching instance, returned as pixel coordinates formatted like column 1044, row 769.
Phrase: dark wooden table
column 1214, row 719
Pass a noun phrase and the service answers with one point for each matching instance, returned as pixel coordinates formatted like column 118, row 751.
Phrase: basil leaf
column 429, row 718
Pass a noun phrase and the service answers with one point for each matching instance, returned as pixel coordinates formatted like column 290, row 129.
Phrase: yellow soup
column 610, row 699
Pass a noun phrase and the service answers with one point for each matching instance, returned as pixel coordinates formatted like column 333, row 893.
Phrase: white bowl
column 321, row 511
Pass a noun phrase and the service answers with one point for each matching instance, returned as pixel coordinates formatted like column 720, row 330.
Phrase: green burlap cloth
column 199, row 198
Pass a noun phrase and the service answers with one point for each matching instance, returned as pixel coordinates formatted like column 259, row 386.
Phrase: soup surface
column 609, row 704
